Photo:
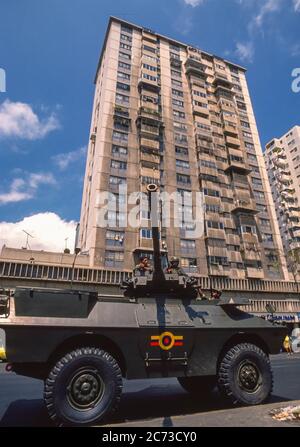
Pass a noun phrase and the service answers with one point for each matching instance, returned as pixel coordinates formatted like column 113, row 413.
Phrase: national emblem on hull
column 166, row 340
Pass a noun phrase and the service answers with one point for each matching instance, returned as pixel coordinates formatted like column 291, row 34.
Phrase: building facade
column 171, row 114
column 282, row 157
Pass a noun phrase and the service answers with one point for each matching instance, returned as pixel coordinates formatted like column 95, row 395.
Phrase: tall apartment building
column 282, row 157
column 171, row 114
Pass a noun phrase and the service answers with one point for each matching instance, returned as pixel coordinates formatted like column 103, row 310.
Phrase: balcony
column 219, row 270
column 154, row 116
column 201, row 111
column 244, row 206
column 149, row 84
column 250, row 254
column 232, row 142
column 222, row 81
column 122, row 112
column 280, row 163
column 194, row 67
column 149, row 143
column 284, row 178
column 255, row 273
column 238, row 166
column 230, row 131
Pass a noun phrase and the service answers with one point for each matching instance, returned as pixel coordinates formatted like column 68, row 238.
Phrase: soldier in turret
column 143, row 268
column 174, row 268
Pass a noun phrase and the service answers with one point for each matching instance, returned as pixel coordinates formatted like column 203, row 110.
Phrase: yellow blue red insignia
column 166, row 340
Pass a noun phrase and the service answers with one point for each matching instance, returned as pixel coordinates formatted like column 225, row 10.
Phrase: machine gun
column 159, row 282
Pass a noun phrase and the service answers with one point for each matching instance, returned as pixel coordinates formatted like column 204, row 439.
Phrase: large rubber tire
column 245, row 376
column 83, row 388
column 199, row 386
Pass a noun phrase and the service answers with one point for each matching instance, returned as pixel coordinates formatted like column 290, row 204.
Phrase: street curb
column 257, row 416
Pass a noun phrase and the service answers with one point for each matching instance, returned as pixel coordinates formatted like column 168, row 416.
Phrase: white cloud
column 18, row 120
column 64, row 159
column 296, row 5
column 193, row 3
column 266, row 7
column 25, row 188
column 48, row 229
column 245, row 51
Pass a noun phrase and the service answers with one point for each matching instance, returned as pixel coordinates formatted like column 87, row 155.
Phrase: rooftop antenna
column 28, row 235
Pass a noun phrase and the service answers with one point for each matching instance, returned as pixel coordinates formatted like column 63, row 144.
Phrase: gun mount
column 146, row 282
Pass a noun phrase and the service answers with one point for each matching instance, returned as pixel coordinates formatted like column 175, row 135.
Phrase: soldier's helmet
column 174, row 261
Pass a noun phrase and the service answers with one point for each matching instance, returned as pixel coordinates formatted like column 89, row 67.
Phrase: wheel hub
column 85, row 389
column 249, row 376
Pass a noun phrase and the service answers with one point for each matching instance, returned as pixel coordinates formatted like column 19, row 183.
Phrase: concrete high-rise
column 283, row 164
column 171, row 114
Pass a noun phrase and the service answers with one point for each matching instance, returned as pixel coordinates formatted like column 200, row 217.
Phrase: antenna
column 28, row 235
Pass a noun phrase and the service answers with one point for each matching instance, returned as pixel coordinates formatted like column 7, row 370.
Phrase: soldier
column 173, row 267
column 143, row 268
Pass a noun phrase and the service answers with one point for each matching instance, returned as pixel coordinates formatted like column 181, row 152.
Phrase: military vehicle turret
column 82, row 344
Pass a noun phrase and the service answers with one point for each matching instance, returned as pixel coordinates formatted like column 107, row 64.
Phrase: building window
column 178, row 103
column 122, row 99
column 113, row 258
column 180, row 127
column 182, row 164
column 248, row 229
column 209, row 208
column 116, row 164
column 124, row 76
column 124, row 55
column 189, row 264
column 125, row 46
column 117, row 180
column 181, row 150
column 149, row 77
column 187, row 244
column 146, row 233
column 119, row 150
column 126, row 38
column 200, row 104
column 178, row 114
column 181, row 138
column 176, row 83
column 185, row 179
column 147, row 48
column 217, row 260
column 175, row 56
column 121, row 86
column 115, row 238
column 124, row 65
column 177, row 92
column 211, row 192
column 126, row 29
column 215, row 225
column 150, row 67
column 120, row 136
column 245, row 124
column 176, row 73
column 197, row 93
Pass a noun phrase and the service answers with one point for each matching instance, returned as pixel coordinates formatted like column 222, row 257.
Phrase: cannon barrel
column 153, row 199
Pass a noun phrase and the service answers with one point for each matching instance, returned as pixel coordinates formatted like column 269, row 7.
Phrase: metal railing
column 33, row 271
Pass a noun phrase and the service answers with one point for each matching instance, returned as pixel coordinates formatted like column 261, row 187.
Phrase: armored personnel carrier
column 83, row 344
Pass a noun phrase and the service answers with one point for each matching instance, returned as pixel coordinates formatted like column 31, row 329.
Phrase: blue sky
column 49, row 50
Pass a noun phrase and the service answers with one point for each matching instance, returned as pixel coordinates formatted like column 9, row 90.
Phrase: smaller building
column 282, row 157
column 64, row 259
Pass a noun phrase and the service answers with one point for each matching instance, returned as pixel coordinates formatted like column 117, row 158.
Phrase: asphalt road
column 21, row 401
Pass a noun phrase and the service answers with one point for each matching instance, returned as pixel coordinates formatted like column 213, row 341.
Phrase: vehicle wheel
column 245, row 375
column 84, row 387
column 201, row 386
